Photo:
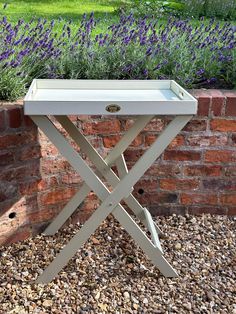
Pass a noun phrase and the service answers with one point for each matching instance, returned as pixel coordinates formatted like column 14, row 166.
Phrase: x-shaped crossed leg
column 110, row 200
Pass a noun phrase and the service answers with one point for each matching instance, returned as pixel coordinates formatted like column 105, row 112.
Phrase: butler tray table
column 142, row 99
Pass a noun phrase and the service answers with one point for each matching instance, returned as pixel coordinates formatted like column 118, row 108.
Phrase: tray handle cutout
column 113, row 108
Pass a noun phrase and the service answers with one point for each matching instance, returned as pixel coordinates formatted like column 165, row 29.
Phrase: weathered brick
column 198, row 198
column 230, row 103
column 7, row 191
column 146, row 185
column 48, row 182
column 179, row 184
column 155, row 125
column 167, row 210
column 19, row 235
column 28, row 122
column 232, row 211
column 217, row 103
column 20, row 173
column 199, row 210
column 52, row 166
column 157, row 198
column 202, row 170
column 2, row 120
column 219, row 184
column 233, row 138
column 101, row 127
column 230, row 171
column 195, row 125
column 133, row 154
column 28, row 187
column 223, row 156
column 111, row 140
column 17, row 139
column 204, row 101
column 56, row 196
column 6, row 158
column 177, row 141
column 182, row 155
column 207, row 140
column 162, row 170
column 223, row 125
column 15, row 117
column 228, row 199
column 29, row 152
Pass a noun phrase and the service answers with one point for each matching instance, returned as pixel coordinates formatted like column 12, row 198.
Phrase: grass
column 72, row 10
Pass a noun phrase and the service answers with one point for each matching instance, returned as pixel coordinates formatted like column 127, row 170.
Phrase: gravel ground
column 111, row 275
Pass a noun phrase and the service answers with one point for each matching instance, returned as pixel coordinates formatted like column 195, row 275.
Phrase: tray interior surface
column 104, row 95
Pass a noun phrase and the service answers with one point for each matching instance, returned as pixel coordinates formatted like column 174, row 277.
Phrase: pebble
column 117, row 277
column 126, row 295
column 178, row 246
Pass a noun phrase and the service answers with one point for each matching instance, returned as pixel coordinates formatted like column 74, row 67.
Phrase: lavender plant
column 134, row 48
column 210, row 8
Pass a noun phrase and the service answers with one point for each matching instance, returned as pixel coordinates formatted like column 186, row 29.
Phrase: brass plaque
column 113, row 108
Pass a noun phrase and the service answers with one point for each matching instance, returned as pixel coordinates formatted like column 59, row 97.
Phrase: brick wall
column 196, row 174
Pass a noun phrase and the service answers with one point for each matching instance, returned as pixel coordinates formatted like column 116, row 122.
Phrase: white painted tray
column 104, row 97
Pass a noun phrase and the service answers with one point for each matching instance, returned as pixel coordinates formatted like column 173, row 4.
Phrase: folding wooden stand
column 143, row 99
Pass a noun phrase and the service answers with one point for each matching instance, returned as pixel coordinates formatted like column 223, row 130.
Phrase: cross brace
column 110, row 200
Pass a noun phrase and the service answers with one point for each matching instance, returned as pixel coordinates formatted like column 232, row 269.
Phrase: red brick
column 147, row 185
column 48, row 183
column 207, row 140
column 2, row 120
column 233, row 138
column 167, row 210
column 181, row 155
column 21, row 172
column 28, row 122
column 19, row 235
column 7, row 191
column 195, row 125
column 101, row 127
column 223, row 125
column 161, row 170
column 52, row 166
column 204, row 100
column 111, row 141
column 219, row 184
column 157, row 198
column 155, row 125
column 201, row 171
column 208, row 199
column 232, row 211
column 17, row 139
column 230, row 171
column 71, row 178
column 228, row 199
column 132, row 155
column 230, row 103
column 56, row 196
column 179, row 184
column 29, row 187
column 217, row 103
column 6, row 158
column 178, row 141
column 29, row 152
column 220, row 156
column 15, row 117
column 213, row 210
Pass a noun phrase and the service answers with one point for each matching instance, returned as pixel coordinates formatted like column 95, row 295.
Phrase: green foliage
column 12, row 85
column 223, row 9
